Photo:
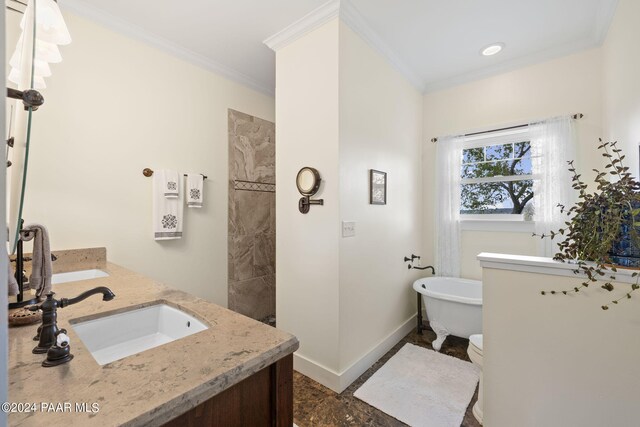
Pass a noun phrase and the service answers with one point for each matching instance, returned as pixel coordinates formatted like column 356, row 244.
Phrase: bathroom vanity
column 235, row 372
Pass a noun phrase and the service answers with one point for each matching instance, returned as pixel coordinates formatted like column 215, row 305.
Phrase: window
column 496, row 178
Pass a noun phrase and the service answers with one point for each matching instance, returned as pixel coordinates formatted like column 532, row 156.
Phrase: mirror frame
column 316, row 184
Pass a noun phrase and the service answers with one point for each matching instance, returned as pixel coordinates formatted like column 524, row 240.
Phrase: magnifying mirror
column 308, row 181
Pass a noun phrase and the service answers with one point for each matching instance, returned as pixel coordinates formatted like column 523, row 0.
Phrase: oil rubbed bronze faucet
column 107, row 295
column 48, row 331
column 433, row 270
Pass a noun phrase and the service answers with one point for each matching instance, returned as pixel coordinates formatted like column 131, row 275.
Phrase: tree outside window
column 496, row 179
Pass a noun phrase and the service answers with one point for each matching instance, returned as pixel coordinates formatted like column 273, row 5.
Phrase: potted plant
column 602, row 230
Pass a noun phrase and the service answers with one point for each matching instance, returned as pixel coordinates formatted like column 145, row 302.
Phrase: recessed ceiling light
column 492, row 49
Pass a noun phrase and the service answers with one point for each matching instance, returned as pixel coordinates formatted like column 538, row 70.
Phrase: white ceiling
column 223, row 35
column 440, row 40
column 436, row 43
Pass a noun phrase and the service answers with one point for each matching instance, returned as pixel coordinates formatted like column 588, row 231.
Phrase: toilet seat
column 475, row 349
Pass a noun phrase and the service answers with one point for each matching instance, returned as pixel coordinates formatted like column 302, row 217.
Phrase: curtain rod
column 573, row 116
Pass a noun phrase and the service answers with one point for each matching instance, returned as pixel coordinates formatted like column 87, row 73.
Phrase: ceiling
column 435, row 43
column 441, row 40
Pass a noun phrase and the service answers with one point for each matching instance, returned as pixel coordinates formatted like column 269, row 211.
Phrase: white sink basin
column 120, row 335
column 75, row 276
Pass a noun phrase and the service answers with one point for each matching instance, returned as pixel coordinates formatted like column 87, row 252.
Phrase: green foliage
column 594, row 222
column 482, row 197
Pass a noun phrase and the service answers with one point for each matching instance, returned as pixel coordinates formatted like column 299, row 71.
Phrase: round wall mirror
column 308, row 181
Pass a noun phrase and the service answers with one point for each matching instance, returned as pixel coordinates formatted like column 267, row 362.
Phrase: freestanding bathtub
column 454, row 306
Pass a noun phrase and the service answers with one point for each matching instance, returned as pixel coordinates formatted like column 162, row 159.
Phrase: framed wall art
column 377, row 187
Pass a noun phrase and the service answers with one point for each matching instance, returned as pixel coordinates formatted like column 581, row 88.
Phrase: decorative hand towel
column 167, row 213
column 194, row 190
column 41, row 268
column 171, row 183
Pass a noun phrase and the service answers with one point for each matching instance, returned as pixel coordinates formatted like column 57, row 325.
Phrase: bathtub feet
column 441, row 333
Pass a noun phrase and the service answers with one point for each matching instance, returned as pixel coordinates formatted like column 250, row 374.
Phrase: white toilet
column 475, row 354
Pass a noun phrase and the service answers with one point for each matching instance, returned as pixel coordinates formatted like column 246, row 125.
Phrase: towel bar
column 148, row 172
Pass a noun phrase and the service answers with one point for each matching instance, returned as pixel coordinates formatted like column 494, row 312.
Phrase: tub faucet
column 48, row 331
column 433, row 270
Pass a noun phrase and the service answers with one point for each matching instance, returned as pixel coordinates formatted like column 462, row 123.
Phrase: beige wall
column 558, row 360
column 113, row 107
column 307, row 257
column 621, row 65
column 567, row 85
column 505, row 242
column 380, row 128
column 342, row 109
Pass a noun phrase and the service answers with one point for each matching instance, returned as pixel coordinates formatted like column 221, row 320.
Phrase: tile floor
column 315, row 405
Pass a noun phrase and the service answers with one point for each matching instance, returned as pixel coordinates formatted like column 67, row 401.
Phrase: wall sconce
column 308, row 183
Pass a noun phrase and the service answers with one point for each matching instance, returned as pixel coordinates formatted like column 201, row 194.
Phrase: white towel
column 171, row 181
column 167, row 213
column 194, row 190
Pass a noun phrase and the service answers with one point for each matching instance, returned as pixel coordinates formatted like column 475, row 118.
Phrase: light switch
column 348, row 228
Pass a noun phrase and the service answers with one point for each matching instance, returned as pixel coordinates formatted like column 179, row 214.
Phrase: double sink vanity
column 151, row 356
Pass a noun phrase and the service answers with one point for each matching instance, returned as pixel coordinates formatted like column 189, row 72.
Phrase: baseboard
column 317, row 372
column 338, row 382
column 359, row 367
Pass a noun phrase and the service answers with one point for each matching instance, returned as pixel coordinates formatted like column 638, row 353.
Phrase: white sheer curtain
column 448, row 164
column 552, row 146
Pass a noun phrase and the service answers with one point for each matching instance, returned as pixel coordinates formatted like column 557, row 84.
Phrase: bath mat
column 422, row 388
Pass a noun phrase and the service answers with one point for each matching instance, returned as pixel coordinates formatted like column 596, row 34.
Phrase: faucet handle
column 37, row 307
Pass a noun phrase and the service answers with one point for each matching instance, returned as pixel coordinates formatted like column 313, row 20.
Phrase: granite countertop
column 147, row 388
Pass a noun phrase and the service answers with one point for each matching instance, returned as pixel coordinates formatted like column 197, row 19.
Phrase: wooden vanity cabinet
column 263, row 399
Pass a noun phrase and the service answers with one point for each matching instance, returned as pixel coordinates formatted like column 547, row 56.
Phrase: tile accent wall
column 252, row 221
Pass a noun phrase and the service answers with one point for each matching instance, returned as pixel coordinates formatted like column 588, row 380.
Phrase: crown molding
column 304, row 25
column 354, row 19
column 604, row 20
column 350, row 16
column 126, row 28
